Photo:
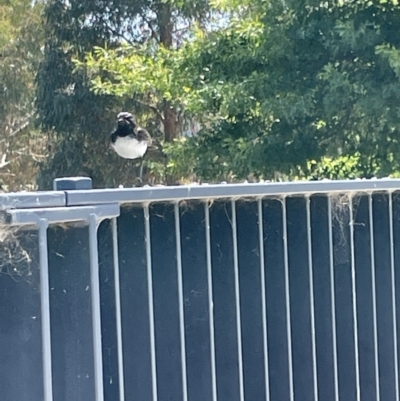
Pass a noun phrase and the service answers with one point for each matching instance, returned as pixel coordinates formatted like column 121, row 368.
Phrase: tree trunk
column 165, row 24
column 170, row 125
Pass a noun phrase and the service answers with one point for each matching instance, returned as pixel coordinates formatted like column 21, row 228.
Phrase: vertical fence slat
column 150, row 301
column 354, row 298
column 45, row 311
column 333, row 300
column 287, row 301
column 237, row 301
column 96, row 314
column 263, row 298
column 394, row 309
column 312, row 311
column 373, row 284
column 118, row 310
column 181, row 301
column 210, row 302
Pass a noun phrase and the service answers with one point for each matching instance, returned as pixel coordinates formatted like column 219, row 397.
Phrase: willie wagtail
column 129, row 140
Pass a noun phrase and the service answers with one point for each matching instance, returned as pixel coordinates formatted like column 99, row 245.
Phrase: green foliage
column 79, row 119
column 340, row 168
column 295, row 89
column 21, row 41
column 278, row 85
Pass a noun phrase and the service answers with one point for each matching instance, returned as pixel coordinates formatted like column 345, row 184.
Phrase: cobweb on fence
column 15, row 259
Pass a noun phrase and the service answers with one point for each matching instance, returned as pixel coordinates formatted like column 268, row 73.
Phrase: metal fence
column 238, row 292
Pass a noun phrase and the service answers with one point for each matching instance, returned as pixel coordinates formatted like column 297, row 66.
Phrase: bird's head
column 125, row 118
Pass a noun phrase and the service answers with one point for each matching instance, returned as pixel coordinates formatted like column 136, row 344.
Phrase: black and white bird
column 129, row 140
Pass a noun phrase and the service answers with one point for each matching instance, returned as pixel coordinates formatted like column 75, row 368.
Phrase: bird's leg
column 139, row 179
column 141, row 170
column 132, row 167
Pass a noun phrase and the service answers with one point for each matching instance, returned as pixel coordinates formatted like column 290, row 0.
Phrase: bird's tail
column 152, row 147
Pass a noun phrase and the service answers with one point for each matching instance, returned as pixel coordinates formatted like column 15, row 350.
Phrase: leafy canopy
column 77, row 119
column 21, row 41
column 275, row 85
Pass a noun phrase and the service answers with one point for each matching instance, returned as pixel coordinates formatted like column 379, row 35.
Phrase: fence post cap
column 72, row 183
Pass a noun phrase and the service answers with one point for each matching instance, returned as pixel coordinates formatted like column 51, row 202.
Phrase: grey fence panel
column 334, row 334
column 118, row 317
column 69, row 367
column 134, row 308
column 325, row 297
column 199, row 293
column 210, row 296
column 312, row 299
column 70, row 310
column 381, row 298
column 299, row 296
column 21, row 376
column 395, row 279
column 111, row 322
column 182, row 334
column 253, row 317
column 276, row 300
column 393, row 298
column 108, row 311
column 263, row 299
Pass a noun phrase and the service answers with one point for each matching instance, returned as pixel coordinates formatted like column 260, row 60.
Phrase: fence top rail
column 30, row 200
column 220, row 191
column 47, row 199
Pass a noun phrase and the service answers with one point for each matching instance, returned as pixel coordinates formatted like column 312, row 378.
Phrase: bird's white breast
column 129, row 148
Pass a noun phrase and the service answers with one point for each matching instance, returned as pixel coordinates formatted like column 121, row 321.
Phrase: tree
column 79, row 120
column 321, row 80
column 21, row 145
column 277, row 88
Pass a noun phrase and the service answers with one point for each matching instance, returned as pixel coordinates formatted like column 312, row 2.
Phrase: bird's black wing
column 114, row 136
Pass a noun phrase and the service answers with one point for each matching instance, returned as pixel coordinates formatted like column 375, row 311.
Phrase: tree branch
column 17, row 131
column 153, row 32
column 153, row 108
column 120, row 35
